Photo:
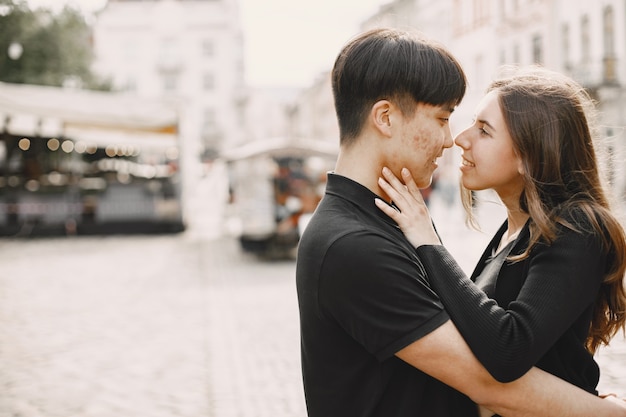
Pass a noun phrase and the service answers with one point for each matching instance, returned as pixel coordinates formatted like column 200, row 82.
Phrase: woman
column 549, row 288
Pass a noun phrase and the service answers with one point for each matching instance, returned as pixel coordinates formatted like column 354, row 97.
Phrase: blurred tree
column 45, row 48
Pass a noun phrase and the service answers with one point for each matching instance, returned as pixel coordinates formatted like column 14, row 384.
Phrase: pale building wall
column 596, row 57
column 314, row 112
column 486, row 34
column 268, row 113
column 190, row 51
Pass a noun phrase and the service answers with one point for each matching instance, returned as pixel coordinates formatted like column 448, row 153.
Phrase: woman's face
column 489, row 159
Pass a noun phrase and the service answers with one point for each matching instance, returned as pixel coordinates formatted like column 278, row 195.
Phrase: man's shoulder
column 329, row 225
column 324, row 233
column 346, row 240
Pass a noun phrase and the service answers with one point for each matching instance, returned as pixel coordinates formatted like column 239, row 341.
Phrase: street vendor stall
column 77, row 161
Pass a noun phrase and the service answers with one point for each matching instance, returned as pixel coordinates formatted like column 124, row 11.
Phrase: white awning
column 32, row 110
column 103, row 137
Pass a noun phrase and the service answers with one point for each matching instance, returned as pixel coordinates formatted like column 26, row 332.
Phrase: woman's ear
column 380, row 117
column 520, row 166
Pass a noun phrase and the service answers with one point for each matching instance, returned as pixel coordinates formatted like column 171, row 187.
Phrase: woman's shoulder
column 579, row 217
column 581, row 222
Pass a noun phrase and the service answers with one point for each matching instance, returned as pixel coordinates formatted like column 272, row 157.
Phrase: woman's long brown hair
column 549, row 119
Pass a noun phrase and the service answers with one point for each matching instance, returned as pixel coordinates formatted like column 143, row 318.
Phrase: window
column 481, row 12
column 609, row 32
column 169, row 58
column 537, row 49
column 208, row 119
column 208, row 82
column 129, row 50
column 457, row 21
column 209, row 129
column 462, row 16
column 565, row 47
column 479, row 70
column 585, row 41
column 208, row 48
column 170, row 82
column 609, row 45
column 131, row 83
column 169, row 50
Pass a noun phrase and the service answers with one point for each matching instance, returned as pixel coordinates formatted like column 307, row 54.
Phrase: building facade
column 190, row 51
column 313, row 115
column 584, row 39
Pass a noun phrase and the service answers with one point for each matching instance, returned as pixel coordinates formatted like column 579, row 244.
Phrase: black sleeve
column 377, row 291
column 563, row 280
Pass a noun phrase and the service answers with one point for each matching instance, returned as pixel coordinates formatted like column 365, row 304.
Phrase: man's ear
column 380, row 116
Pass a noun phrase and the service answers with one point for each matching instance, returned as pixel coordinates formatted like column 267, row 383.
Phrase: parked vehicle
column 275, row 186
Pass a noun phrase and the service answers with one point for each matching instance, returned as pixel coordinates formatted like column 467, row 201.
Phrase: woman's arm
column 444, row 355
column 562, row 282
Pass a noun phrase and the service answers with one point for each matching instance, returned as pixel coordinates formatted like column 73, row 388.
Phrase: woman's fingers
column 413, row 216
column 396, row 197
column 406, row 195
column 392, row 186
column 392, row 179
column 387, row 209
column 411, row 186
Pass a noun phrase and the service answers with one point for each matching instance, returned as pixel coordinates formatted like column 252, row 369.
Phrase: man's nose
column 448, row 142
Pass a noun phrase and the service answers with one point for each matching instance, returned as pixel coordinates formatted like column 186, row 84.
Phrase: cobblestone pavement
column 161, row 326
column 146, row 327
column 102, row 327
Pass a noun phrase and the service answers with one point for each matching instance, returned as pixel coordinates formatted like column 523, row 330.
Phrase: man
column 376, row 341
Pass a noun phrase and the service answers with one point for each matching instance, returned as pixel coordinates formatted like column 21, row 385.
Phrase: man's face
column 420, row 140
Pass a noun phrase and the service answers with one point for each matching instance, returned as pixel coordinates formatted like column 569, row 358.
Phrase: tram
column 84, row 162
column 275, row 186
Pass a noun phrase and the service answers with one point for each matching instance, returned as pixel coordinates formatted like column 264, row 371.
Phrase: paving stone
column 165, row 326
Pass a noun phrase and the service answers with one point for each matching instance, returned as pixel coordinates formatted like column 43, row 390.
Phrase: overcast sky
column 287, row 42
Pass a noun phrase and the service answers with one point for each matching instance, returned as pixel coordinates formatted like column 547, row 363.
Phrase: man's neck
column 361, row 168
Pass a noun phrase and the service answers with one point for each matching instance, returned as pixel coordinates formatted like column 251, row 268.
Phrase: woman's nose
column 461, row 139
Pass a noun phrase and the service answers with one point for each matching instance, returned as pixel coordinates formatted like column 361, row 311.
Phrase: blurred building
column 584, row 39
column 190, row 51
column 313, row 114
column 267, row 112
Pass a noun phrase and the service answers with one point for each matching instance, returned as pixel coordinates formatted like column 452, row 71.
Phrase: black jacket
column 536, row 311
